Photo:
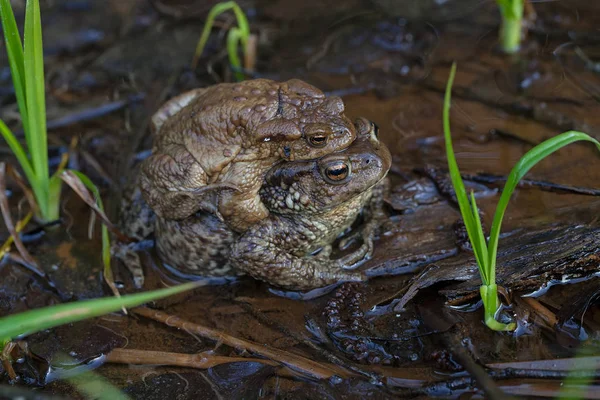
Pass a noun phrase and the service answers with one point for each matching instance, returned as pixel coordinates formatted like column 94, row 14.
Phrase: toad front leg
column 375, row 220
column 243, row 208
column 175, row 185
column 268, row 251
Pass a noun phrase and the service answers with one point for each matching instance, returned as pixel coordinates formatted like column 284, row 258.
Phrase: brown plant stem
column 296, row 363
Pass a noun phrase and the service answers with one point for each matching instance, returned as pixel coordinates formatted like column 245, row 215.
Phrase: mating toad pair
column 259, row 178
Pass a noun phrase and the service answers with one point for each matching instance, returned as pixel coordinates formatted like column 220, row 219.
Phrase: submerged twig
column 94, row 164
column 553, row 364
column 74, row 150
column 529, row 183
column 586, row 87
column 440, row 177
column 299, row 364
column 324, row 49
column 203, row 360
column 529, row 108
column 93, row 113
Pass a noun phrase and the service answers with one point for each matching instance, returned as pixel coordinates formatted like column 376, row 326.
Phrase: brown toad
column 212, row 146
column 310, row 202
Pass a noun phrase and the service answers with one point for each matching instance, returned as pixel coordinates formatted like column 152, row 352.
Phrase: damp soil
column 415, row 329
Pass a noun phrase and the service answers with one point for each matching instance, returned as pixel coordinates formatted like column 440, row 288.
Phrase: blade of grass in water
column 210, row 19
column 512, row 9
column 18, row 151
column 32, row 321
column 480, row 238
column 14, row 49
column 470, row 215
column 233, row 38
column 512, row 24
column 485, row 253
column 459, row 187
column 27, row 71
column 36, row 104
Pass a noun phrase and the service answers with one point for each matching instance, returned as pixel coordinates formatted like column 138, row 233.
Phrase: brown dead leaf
column 4, row 207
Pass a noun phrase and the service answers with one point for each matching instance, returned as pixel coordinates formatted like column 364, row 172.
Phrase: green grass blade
column 481, row 243
column 530, row 159
column 233, row 38
column 512, row 24
column 489, row 296
column 18, row 151
column 14, row 49
column 243, row 24
column 470, row 215
column 457, row 182
column 511, row 9
column 210, row 19
column 235, row 35
column 32, row 321
column 35, row 98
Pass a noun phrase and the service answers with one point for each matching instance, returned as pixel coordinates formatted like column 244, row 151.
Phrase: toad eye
column 318, row 140
column 337, row 173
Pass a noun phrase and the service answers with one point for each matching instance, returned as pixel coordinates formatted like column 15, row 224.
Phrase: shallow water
column 390, row 62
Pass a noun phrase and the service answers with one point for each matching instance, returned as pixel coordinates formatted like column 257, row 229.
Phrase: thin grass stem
column 457, row 182
column 233, row 38
column 239, row 34
column 512, row 24
column 36, row 104
column 470, row 215
column 14, row 49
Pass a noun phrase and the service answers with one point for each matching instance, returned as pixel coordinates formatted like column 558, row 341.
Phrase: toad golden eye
column 337, row 173
column 318, row 140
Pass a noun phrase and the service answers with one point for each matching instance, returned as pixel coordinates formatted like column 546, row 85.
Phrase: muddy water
column 390, row 62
